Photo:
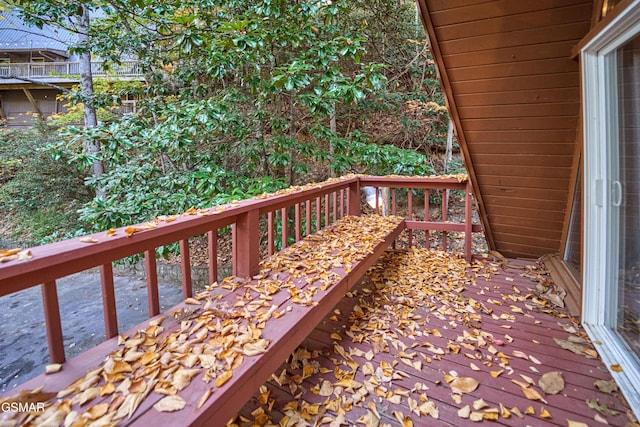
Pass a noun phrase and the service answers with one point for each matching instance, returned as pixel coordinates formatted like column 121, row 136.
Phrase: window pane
column 628, row 130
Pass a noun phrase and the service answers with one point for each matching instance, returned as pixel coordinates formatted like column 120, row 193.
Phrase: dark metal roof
column 16, row 35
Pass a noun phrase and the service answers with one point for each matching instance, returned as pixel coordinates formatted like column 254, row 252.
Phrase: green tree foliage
column 240, row 95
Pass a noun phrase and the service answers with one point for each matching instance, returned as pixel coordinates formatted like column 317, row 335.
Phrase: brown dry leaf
column 496, row 374
column 88, row 240
column 544, row 413
column 203, row 399
column 551, row 382
column 520, row 354
column 255, row 348
column 602, row 408
column 182, row 377
column 504, row 412
column 464, row 412
column 369, row 420
column 97, row 411
column 606, row 386
column 170, row 404
column 464, row 385
column 532, row 394
column 223, row 378
column 571, row 423
column 476, row 417
column 52, row 368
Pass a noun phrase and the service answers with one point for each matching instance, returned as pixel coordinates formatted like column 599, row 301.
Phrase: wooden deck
column 391, row 351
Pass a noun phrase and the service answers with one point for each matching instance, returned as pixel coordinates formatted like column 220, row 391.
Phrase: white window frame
column 599, row 302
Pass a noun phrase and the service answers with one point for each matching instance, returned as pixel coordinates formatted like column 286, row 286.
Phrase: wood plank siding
column 513, row 92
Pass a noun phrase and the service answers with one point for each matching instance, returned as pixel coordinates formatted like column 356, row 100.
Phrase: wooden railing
column 297, row 212
column 57, row 69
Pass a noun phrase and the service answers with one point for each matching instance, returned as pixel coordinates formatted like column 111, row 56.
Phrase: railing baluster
column 52, row 322
column 212, row 243
column 285, row 225
column 318, row 214
column 378, row 200
column 335, row 206
column 342, row 203
column 394, row 202
column 185, row 262
column 468, row 221
column 445, row 208
column 151, row 270
column 326, row 210
column 308, row 216
column 410, row 213
column 297, row 221
column 270, row 233
column 427, row 235
column 109, row 301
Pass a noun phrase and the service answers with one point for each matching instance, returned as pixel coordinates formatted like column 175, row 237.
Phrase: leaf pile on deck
column 213, row 336
column 389, row 365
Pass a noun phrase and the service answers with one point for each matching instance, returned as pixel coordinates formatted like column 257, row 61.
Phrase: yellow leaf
column 88, row 240
column 496, row 374
column 336, row 337
column 616, row 368
column 530, row 411
column 111, row 232
column 204, row 398
column 464, row 385
column 504, row 412
column 532, row 394
column 170, row 404
column 223, row 378
column 544, row 413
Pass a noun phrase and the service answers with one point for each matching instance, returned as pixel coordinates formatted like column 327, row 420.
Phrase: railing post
column 52, row 322
column 468, row 221
column 108, row 301
column 246, row 244
column 354, row 198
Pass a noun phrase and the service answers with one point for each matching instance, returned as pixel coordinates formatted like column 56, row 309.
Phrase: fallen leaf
column 532, row 394
column 464, row 385
column 551, row 382
column 88, row 240
column 170, row 404
column 223, row 378
column 616, row 368
column 600, row 407
column 464, row 412
column 52, row 368
column 606, row 386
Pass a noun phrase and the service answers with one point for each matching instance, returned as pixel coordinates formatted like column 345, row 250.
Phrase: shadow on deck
column 425, row 340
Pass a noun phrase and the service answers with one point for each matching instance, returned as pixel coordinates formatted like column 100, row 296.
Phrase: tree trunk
column 86, row 89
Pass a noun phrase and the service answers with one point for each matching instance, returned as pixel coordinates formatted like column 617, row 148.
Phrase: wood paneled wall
column 513, row 91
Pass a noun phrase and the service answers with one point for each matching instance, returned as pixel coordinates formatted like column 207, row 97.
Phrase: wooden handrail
column 329, row 201
column 72, row 68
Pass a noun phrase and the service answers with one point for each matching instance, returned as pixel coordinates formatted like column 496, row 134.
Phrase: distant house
column 35, row 57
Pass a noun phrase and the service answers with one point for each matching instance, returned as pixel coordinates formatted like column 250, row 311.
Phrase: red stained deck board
column 578, row 371
column 285, row 334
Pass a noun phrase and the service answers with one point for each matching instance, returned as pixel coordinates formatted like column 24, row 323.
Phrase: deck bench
column 215, row 350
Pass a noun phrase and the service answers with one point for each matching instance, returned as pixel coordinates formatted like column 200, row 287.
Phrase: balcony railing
column 258, row 225
column 35, row 70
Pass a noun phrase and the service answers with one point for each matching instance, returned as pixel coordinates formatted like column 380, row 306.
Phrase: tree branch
column 36, row 82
